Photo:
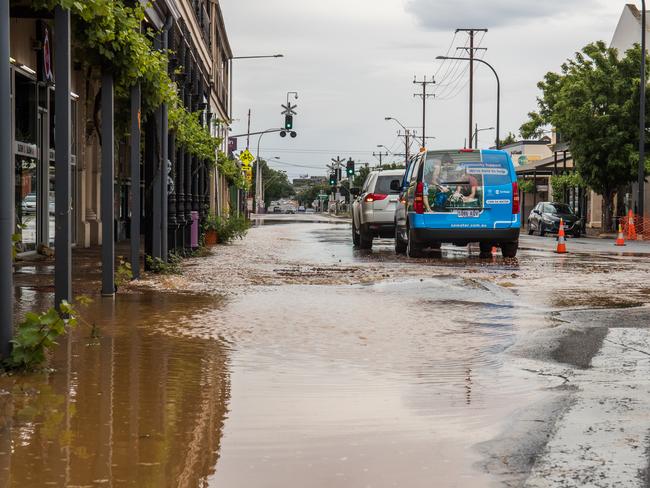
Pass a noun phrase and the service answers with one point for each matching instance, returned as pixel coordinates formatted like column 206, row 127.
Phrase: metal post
column 6, row 180
column 63, row 140
column 642, row 92
column 156, row 210
column 471, row 85
column 107, row 186
column 135, row 181
column 164, row 197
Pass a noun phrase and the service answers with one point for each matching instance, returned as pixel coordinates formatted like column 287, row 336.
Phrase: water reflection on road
column 132, row 407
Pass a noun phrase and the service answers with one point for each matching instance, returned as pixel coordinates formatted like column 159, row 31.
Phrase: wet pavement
column 290, row 359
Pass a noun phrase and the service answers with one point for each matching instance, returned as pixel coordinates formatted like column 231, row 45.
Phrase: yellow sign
column 248, row 172
column 246, row 158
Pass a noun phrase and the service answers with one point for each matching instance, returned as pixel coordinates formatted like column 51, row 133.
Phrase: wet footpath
column 289, row 359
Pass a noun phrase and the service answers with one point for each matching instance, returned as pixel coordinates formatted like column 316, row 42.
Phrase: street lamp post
column 476, row 131
column 247, row 57
column 498, row 142
column 258, row 172
column 407, row 135
column 642, row 90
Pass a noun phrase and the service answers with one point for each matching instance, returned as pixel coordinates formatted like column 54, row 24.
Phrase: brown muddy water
column 286, row 360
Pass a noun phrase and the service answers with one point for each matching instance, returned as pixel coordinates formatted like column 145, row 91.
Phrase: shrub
column 228, row 229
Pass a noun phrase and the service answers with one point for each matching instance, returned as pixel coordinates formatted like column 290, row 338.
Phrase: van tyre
column 486, row 250
column 400, row 245
column 509, row 249
column 413, row 249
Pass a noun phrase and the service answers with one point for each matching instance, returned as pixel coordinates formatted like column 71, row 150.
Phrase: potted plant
column 212, row 224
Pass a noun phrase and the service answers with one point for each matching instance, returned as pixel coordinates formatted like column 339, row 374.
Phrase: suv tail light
column 515, row 198
column 418, row 201
column 373, row 197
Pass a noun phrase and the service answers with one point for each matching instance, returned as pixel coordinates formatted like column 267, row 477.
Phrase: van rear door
column 469, row 189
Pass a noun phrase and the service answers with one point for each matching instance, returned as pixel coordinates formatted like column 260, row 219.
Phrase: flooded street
column 290, row 359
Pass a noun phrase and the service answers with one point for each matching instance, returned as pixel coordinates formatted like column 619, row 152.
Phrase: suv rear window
column 455, row 179
column 383, row 184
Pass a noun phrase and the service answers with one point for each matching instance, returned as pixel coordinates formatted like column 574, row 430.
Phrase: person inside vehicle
column 434, row 190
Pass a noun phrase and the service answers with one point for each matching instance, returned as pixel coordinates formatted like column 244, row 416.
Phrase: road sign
column 246, row 157
column 289, row 109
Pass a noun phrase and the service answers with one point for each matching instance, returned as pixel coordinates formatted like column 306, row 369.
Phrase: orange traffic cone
column 631, row 228
column 561, row 242
column 620, row 240
column 494, row 251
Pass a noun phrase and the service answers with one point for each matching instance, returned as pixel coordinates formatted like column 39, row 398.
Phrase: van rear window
column 456, row 180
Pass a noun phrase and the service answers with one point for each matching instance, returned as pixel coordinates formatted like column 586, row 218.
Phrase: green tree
column 510, row 139
column 276, row 183
column 594, row 103
column 307, row 196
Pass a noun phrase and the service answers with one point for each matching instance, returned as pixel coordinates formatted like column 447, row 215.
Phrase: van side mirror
column 396, row 185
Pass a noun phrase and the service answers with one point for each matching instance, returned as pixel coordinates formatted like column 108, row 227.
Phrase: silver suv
column 373, row 211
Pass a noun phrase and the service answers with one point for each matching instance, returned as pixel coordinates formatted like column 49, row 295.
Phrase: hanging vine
column 108, row 35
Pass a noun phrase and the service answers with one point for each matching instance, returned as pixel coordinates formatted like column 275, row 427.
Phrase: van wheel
column 400, row 245
column 509, row 249
column 355, row 236
column 486, row 250
column 413, row 249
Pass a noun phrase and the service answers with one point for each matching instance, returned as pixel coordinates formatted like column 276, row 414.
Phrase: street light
column 258, row 173
column 246, row 57
column 498, row 88
column 476, row 131
column 406, row 137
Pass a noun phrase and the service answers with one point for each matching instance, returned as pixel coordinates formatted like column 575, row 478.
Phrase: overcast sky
column 353, row 63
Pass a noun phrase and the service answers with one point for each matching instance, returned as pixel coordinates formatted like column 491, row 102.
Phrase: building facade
column 200, row 52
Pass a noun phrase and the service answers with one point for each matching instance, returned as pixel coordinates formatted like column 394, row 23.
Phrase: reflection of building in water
column 133, row 408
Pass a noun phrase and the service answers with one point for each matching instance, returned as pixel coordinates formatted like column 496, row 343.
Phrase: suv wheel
column 530, row 229
column 365, row 240
column 509, row 249
column 413, row 249
column 400, row 245
column 355, row 236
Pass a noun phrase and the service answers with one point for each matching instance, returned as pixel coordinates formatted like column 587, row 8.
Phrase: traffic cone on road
column 561, row 242
column 620, row 240
column 631, row 228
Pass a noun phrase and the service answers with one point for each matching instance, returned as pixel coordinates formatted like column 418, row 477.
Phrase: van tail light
column 373, row 197
column 515, row 198
column 418, row 201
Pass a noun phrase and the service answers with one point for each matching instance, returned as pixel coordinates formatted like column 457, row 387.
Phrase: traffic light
column 349, row 169
column 332, row 179
column 288, row 122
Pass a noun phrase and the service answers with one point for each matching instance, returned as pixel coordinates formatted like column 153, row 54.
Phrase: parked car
column 277, row 210
column 290, row 210
column 373, row 210
column 29, row 203
column 545, row 218
column 301, row 209
column 459, row 196
column 310, row 211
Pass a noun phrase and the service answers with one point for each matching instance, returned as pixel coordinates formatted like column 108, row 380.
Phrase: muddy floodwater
column 290, row 360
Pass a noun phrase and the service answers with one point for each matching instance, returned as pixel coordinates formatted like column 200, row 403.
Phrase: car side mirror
column 396, row 185
column 355, row 192
column 535, row 211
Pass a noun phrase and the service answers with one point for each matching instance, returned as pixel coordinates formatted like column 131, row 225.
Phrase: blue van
column 459, row 196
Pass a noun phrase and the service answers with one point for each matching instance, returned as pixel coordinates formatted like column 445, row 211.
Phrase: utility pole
column 424, row 97
column 380, row 155
column 407, row 143
column 470, row 51
column 248, row 131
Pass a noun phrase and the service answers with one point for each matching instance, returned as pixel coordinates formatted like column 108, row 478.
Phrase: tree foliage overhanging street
column 594, row 104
